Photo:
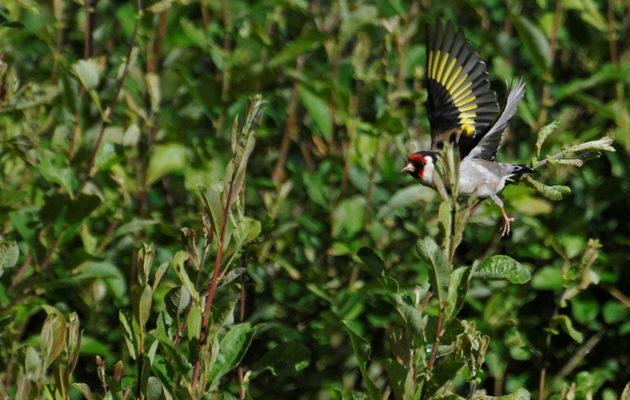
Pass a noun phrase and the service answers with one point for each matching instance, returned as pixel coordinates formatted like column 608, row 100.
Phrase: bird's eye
column 440, row 146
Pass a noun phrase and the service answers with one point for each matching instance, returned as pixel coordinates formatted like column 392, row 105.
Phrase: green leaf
column 534, row 41
column 88, row 72
column 93, row 347
column 376, row 268
column 53, row 336
column 457, row 290
column 445, row 370
column 85, row 390
column 411, row 315
column 81, row 207
column 584, row 308
column 374, row 264
column 614, row 312
column 135, row 225
column 543, row 134
column 520, row 394
column 591, row 14
column 160, row 6
column 348, row 217
column 362, row 351
column 232, row 347
column 502, row 267
column 286, row 359
column 154, row 388
column 548, row 278
column 565, row 323
column 55, row 169
column 32, row 364
column 112, row 276
column 144, row 305
column 178, row 265
column 439, row 271
column 167, row 158
column 553, row 193
column 291, row 51
column 9, row 254
column 319, row 111
column 176, row 301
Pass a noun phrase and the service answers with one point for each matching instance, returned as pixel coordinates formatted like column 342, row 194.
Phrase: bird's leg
column 506, row 223
column 506, row 220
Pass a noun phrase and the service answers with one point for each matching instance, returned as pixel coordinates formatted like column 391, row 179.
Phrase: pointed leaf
column 318, row 110
column 534, row 41
column 232, row 347
column 439, row 271
column 457, row 290
column 362, row 351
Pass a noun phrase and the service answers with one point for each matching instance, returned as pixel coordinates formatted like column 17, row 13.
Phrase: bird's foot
column 506, row 224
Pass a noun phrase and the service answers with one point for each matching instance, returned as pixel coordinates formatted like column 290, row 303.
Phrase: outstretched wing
column 486, row 147
column 460, row 104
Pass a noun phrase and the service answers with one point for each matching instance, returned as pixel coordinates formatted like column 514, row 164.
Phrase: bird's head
column 420, row 165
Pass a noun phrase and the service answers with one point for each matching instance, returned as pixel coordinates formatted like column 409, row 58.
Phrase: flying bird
column 463, row 110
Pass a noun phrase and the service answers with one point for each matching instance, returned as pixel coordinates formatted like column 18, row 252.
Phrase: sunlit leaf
column 319, row 112
column 167, row 158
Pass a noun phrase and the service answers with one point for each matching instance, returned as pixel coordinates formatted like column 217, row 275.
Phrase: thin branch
column 214, row 282
column 291, row 126
column 577, row 358
column 546, row 351
column 241, row 318
column 21, row 270
column 623, row 299
column 110, row 110
column 553, row 45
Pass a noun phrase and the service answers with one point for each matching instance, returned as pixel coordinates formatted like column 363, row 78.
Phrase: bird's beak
column 408, row 168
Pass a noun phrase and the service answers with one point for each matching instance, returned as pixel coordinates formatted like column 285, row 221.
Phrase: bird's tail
column 522, row 169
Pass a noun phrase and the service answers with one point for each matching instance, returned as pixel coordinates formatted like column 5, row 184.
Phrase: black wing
column 488, row 144
column 460, row 103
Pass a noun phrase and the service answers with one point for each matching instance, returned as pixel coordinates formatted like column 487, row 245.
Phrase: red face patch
column 416, row 158
column 418, row 161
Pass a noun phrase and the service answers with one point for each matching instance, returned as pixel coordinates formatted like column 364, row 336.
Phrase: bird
column 463, row 110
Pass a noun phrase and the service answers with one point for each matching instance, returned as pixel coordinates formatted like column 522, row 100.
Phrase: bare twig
column 241, row 318
column 20, row 271
column 553, row 45
column 546, row 350
column 110, row 110
column 616, row 293
column 290, row 127
column 577, row 358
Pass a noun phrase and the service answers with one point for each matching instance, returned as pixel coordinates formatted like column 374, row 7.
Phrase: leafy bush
column 165, row 233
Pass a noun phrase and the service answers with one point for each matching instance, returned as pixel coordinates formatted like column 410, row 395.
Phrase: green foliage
column 165, row 236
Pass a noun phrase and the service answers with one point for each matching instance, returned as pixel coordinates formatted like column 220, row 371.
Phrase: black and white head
column 421, row 165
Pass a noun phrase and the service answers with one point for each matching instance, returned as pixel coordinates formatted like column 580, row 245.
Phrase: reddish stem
column 213, row 283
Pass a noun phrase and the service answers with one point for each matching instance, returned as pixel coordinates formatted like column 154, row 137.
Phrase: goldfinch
column 463, row 110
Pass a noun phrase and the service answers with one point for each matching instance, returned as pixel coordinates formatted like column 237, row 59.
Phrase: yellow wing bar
column 445, row 70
